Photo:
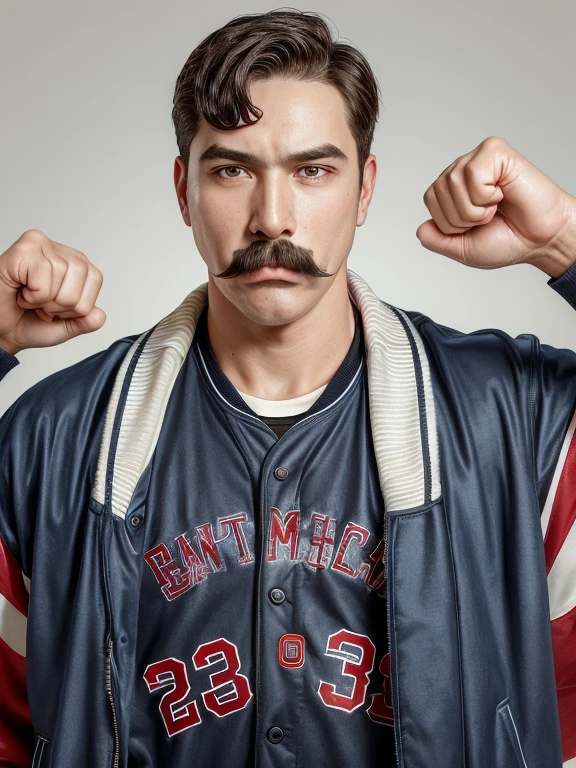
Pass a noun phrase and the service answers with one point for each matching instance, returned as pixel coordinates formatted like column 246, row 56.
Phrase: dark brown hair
column 215, row 79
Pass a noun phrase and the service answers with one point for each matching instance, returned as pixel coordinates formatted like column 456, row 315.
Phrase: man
column 290, row 524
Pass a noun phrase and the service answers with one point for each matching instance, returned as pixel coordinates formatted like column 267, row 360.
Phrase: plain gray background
column 88, row 146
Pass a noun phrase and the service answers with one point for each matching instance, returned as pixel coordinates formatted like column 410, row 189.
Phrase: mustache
column 273, row 253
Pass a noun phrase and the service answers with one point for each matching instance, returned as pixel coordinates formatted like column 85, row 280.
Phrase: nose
column 273, row 207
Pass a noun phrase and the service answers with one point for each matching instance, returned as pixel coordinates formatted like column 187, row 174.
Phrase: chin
column 275, row 305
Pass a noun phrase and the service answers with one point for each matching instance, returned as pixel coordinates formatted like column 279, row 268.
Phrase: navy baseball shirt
column 262, row 637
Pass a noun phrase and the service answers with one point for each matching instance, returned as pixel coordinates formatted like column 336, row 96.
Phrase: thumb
column 435, row 240
column 75, row 326
column 38, row 328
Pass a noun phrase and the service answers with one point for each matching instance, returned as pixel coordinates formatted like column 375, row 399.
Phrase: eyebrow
column 322, row 152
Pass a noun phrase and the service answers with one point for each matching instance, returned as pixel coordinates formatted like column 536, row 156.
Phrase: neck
column 285, row 361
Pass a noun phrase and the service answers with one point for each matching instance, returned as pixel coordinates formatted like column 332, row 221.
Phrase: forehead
column 296, row 115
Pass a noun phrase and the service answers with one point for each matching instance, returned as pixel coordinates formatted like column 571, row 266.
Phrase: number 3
column 356, row 665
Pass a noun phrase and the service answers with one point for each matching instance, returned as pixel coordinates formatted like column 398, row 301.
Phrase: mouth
column 275, row 274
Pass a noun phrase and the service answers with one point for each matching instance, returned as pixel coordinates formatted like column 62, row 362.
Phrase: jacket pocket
column 41, row 751
column 508, row 748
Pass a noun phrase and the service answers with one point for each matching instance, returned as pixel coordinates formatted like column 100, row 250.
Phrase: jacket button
column 277, row 596
column 281, row 473
column 135, row 521
column 275, row 734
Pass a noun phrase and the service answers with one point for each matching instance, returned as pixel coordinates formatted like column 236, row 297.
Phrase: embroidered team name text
column 186, row 564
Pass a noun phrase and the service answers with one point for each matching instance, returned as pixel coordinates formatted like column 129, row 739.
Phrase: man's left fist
column 491, row 208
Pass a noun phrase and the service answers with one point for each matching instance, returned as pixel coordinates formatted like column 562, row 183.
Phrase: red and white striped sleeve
column 559, row 531
column 16, row 733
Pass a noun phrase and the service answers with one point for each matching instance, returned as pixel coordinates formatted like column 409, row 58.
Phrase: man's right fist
column 47, row 293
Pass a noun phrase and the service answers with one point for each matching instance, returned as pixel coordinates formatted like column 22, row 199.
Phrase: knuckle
column 59, row 266
column 30, row 242
column 453, row 178
column 26, row 247
column 71, row 296
column 33, row 236
column 77, row 267
column 470, row 171
column 493, row 142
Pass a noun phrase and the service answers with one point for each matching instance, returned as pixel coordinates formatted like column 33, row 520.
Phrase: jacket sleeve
column 554, row 397
column 49, row 445
column 16, row 731
column 7, row 362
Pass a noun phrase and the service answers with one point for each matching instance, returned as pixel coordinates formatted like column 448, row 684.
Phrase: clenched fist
column 491, row 208
column 48, row 293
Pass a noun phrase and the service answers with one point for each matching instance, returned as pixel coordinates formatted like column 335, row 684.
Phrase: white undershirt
column 291, row 407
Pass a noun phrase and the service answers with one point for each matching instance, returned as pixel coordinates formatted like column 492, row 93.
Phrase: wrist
column 555, row 265
column 7, row 346
column 560, row 253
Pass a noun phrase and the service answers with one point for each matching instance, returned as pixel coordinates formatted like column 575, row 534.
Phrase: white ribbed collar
column 402, row 413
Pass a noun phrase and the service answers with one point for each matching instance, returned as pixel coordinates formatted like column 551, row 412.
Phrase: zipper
column 388, row 625
column 385, row 535
column 533, row 416
column 113, row 706
column 109, row 688
column 41, row 742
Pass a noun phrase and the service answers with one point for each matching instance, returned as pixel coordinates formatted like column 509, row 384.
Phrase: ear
column 368, row 182
column 180, row 184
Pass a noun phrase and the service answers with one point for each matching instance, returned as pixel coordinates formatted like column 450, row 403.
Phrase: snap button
column 281, row 473
column 277, row 596
column 275, row 734
column 135, row 521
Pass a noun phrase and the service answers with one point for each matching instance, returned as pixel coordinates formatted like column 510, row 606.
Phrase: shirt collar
column 334, row 389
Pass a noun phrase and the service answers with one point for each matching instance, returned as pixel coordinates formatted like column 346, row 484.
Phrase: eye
column 316, row 175
column 229, row 168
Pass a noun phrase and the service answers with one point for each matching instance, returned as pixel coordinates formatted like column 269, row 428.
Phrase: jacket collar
column 402, row 413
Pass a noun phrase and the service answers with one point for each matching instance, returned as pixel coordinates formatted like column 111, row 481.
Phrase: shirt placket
column 280, row 652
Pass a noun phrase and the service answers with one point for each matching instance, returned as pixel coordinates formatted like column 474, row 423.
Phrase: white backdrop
column 87, row 147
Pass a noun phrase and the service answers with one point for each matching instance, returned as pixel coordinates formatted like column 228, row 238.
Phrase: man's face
column 253, row 198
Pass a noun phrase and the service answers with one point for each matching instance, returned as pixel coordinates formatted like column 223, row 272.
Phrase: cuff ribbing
column 565, row 285
column 7, row 362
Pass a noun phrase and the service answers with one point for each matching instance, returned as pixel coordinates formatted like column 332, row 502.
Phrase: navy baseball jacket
column 390, row 582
